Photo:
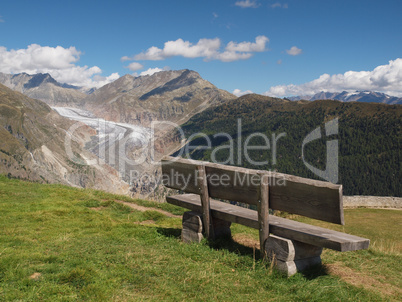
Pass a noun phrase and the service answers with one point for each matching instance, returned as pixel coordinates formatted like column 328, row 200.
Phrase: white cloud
column 258, row 46
column 37, row 57
column 58, row 61
column 209, row 49
column 247, row 4
column 126, row 58
column 134, row 66
column 1, row 19
column 238, row 92
column 230, row 56
column 151, row 71
column 294, row 51
column 204, row 48
column 101, row 81
column 384, row 78
column 279, row 5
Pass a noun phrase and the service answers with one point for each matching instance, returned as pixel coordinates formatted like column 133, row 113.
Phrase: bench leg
column 192, row 227
column 221, row 228
column 291, row 256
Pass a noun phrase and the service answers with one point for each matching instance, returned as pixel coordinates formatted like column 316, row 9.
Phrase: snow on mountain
column 352, row 96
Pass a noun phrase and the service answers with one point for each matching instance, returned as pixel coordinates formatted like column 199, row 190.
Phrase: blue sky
column 277, row 47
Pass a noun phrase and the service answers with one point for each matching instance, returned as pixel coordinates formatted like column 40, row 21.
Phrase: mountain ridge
column 163, row 96
column 44, row 87
column 357, row 96
column 368, row 137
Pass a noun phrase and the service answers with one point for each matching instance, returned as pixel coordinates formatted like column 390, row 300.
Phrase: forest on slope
column 369, row 139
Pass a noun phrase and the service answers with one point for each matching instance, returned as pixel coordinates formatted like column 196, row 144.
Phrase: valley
column 127, row 148
column 112, row 139
column 128, row 125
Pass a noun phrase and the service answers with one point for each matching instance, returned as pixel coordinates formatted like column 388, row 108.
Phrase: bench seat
column 278, row 226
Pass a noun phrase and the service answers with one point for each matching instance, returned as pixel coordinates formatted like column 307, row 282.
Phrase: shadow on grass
column 227, row 243
column 315, row 272
column 224, row 243
column 169, row 232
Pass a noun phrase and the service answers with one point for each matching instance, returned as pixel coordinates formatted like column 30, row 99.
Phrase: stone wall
column 372, row 202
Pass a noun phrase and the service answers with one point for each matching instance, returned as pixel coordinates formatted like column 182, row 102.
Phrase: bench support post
column 263, row 213
column 291, row 256
column 193, row 227
column 206, row 211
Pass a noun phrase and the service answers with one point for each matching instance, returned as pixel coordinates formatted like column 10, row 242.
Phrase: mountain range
column 168, row 96
column 356, row 96
column 172, row 96
column 164, row 96
column 136, row 117
column 43, row 87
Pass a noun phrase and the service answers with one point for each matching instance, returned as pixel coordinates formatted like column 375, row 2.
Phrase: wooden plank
column 278, row 226
column 180, row 174
column 204, row 195
column 307, row 197
column 233, row 183
column 218, row 209
column 311, row 198
column 263, row 213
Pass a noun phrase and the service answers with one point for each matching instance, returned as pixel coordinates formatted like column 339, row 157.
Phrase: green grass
column 63, row 244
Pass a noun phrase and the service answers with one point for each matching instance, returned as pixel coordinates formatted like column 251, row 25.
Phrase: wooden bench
column 292, row 245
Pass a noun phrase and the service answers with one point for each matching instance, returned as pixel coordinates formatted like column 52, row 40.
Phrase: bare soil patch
column 246, row 241
column 146, row 222
column 97, row 208
column 143, row 209
column 35, row 276
column 361, row 280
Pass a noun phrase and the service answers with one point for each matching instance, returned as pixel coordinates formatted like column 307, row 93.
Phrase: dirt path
column 143, row 209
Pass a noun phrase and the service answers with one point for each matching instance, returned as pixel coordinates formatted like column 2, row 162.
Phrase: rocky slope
column 38, row 144
column 172, row 96
column 43, row 87
column 157, row 102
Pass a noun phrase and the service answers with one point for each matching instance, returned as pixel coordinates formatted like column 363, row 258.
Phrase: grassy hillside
column 369, row 139
column 63, row 244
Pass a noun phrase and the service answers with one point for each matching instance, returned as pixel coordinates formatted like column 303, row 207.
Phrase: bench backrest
column 307, row 197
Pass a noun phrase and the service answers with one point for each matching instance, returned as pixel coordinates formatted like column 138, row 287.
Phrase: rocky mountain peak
column 44, row 87
column 172, row 95
column 39, row 79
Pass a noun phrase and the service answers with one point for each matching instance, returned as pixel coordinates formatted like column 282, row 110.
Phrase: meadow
column 59, row 243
